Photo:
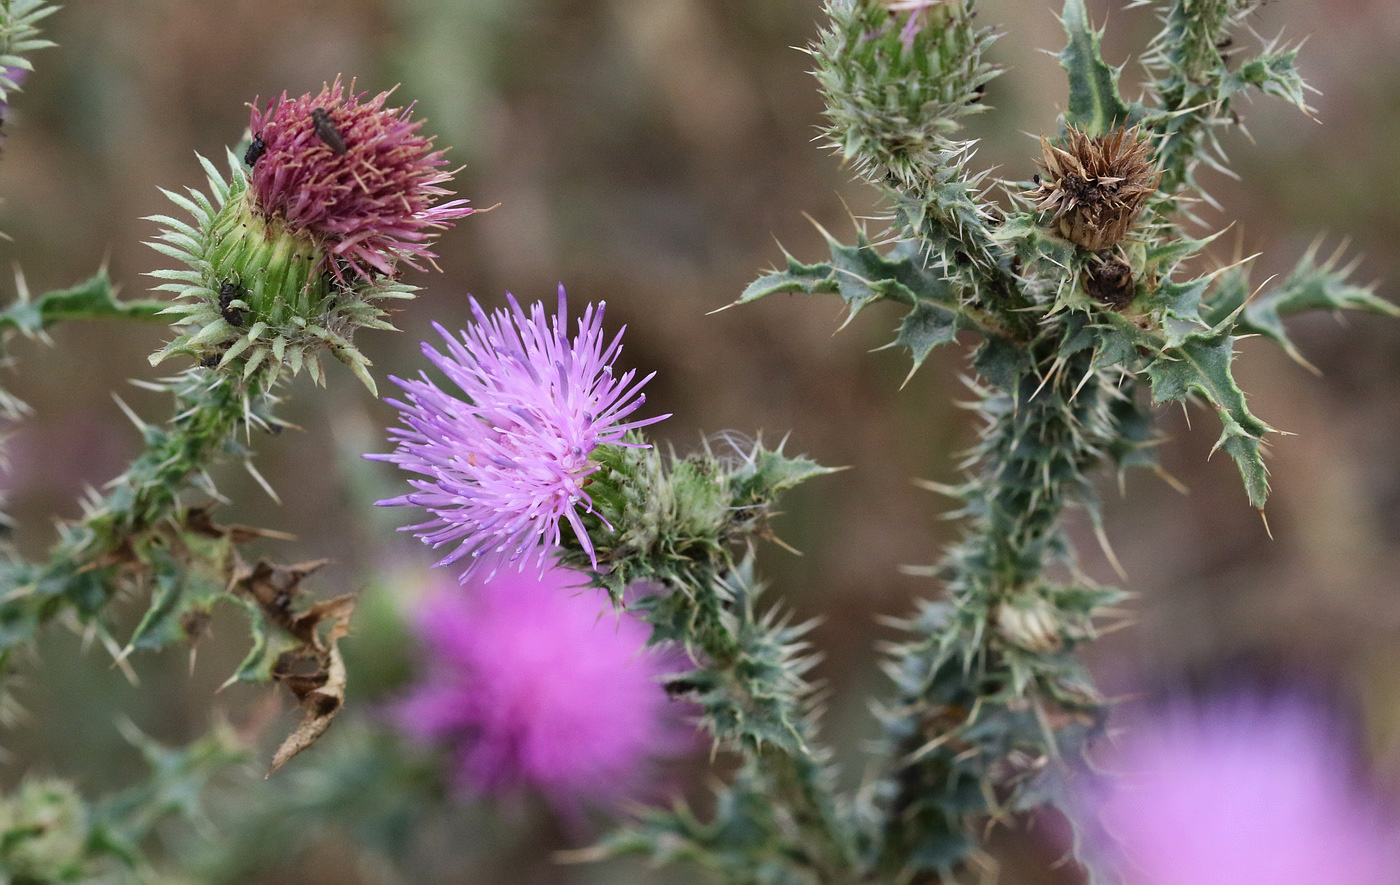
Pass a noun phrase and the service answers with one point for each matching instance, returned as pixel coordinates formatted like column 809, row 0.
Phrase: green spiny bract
column 895, row 97
column 655, row 516
column 19, row 36
column 256, row 298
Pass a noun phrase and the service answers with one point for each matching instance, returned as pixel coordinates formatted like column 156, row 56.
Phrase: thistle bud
column 1030, row 622
column 1096, row 186
column 295, row 247
column 44, row 827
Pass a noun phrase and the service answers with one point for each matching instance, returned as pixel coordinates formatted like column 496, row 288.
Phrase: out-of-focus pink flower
column 504, row 467
column 1245, row 791
column 532, row 681
column 354, row 175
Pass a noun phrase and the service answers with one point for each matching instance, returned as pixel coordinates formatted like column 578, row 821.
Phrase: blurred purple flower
column 355, row 175
column 1241, row 792
column 531, row 681
column 506, row 465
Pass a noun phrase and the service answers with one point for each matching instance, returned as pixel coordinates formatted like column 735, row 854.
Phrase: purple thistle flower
column 532, row 682
column 1251, row 792
column 353, row 174
column 504, row 467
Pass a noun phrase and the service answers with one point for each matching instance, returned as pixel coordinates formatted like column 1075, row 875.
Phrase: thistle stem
column 977, row 709
column 81, row 570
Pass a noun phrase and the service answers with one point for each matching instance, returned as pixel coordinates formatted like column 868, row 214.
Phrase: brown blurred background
column 654, row 153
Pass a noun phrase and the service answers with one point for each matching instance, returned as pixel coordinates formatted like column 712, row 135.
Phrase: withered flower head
column 1096, row 185
column 1109, row 280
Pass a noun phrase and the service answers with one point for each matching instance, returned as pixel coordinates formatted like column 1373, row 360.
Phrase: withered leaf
column 274, row 587
column 200, row 520
column 314, row 672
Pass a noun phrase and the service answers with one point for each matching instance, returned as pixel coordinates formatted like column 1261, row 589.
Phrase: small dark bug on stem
column 228, row 293
column 327, row 131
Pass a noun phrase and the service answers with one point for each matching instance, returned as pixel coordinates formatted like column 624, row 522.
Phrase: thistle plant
column 1082, row 284
column 1081, row 287
column 287, row 257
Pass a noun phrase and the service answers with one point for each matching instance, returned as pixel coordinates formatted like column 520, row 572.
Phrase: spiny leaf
column 93, row 298
column 1201, row 364
column 1310, row 286
column 924, row 328
column 1094, row 104
column 861, row 275
column 1273, row 73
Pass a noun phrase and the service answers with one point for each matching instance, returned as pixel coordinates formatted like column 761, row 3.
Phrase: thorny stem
column 81, row 571
column 963, row 686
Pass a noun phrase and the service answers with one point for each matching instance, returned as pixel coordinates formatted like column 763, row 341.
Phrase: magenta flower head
column 502, row 466
column 1249, row 791
column 353, row 174
column 532, row 682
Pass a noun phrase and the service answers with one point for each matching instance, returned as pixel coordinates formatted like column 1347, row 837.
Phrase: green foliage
column 93, row 299
column 19, row 36
column 1194, row 79
column 1309, row 286
column 861, row 275
column 1201, row 363
column 49, row 833
column 745, row 840
column 989, row 699
column 1094, row 104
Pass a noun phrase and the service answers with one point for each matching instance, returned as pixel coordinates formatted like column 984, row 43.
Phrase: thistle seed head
column 1096, row 186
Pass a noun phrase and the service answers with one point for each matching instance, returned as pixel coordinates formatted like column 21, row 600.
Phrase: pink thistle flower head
column 501, row 469
column 1252, row 792
column 532, row 682
column 352, row 174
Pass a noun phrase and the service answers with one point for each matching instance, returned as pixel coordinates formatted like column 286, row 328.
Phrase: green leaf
column 924, row 328
column 1273, row 73
column 861, row 275
column 1310, row 286
column 1095, row 106
column 809, row 279
column 1201, row 364
column 1002, row 362
column 94, row 298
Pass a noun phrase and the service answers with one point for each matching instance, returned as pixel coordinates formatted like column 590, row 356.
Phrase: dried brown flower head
column 1096, row 185
column 1109, row 281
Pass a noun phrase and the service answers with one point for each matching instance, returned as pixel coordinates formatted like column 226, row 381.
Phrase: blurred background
column 654, row 154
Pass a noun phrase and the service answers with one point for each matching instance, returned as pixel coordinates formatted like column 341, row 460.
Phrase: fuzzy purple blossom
column 501, row 469
column 530, row 681
column 1246, row 792
column 354, row 175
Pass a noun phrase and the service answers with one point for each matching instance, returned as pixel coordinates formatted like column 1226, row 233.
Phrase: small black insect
column 255, row 150
column 228, row 293
column 1035, row 179
column 327, row 131
column 209, row 361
